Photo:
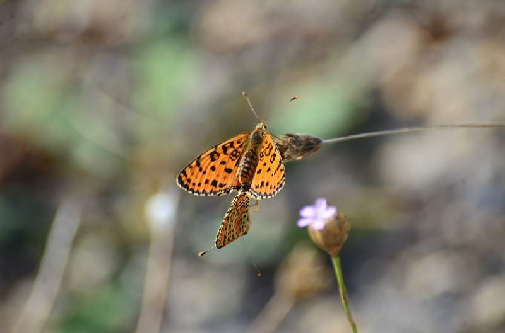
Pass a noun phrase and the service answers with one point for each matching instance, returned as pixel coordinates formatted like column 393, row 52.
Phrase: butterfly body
column 250, row 158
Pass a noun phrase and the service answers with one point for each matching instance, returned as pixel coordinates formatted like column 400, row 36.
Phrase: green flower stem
column 343, row 292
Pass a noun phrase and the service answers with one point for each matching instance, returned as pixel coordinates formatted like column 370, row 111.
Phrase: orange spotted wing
column 213, row 172
column 270, row 174
column 236, row 221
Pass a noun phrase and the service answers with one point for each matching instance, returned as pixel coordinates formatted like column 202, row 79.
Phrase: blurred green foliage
column 109, row 309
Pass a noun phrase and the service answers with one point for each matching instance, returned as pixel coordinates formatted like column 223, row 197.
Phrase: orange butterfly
column 236, row 222
column 249, row 163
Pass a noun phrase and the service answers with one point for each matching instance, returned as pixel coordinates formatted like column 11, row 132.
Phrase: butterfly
column 249, row 162
column 236, row 222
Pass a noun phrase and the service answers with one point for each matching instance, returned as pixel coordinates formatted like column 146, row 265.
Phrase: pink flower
column 317, row 215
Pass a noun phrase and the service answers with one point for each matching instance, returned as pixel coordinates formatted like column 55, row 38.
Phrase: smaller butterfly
column 236, row 222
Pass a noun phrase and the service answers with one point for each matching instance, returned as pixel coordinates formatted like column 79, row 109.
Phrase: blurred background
column 102, row 103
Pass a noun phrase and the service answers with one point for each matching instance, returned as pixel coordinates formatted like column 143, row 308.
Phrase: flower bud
column 327, row 229
column 297, row 146
column 333, row 235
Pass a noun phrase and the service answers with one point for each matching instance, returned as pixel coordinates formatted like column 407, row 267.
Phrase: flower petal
column 330, row 212
column 302, row 223
column 307, row 211
column 320, row 206
column 317, row 224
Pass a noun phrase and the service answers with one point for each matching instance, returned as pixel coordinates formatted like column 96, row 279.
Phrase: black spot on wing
column 214, row 156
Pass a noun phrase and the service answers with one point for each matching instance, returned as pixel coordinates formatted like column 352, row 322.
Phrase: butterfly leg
column 201, row 254
column 256, row 205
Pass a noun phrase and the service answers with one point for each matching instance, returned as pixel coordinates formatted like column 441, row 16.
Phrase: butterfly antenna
column 201, row 254
column 258, row 272
column 294, row 98
column 250, row 104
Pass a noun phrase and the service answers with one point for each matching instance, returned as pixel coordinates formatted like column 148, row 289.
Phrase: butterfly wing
column 236, row 221
column 270, row 174
column 213, row 172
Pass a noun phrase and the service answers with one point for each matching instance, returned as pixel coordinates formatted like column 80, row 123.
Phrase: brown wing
column 213, row 172
column 236, row 221
column 270, row 173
